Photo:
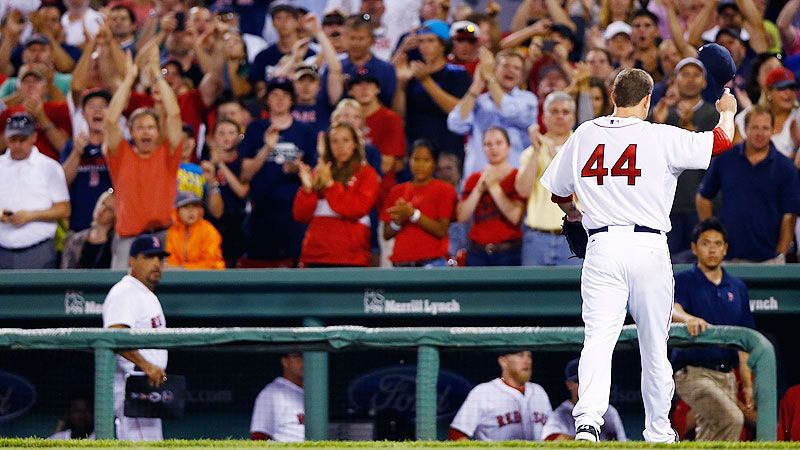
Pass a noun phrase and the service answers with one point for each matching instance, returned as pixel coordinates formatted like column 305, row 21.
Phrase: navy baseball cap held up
column 719, row 66
column 148, row 245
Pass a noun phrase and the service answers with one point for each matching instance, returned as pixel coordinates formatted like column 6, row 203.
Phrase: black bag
column 164, row 402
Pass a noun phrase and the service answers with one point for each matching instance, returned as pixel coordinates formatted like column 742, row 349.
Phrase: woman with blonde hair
column 335, row 200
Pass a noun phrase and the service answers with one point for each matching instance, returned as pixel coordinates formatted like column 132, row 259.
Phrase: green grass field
column 416, row 445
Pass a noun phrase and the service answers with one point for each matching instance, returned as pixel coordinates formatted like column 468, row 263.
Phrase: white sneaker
column 587, row 433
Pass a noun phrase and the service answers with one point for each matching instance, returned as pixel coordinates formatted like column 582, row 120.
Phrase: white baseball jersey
column 131, row 303
column 495, row 411
column 279, row 412
column 562, row 422
column 625, row 170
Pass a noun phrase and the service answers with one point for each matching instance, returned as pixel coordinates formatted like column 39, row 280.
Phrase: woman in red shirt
column 418, row 213
column 490, row 200
column 335, row 200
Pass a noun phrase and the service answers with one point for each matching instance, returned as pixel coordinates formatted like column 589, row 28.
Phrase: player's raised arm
column 726, row 106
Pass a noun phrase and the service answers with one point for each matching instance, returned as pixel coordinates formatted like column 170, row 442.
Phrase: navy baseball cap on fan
column 362, row 75
column 719, row 66
column 36, row 39
column 280, row 83
column 283, row 7
column 148, row 245
column 185, row 198
column 20, row 124
column 571, row 371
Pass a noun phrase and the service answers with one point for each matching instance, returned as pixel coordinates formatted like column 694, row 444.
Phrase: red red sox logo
column 155, row 322
column 515, row 417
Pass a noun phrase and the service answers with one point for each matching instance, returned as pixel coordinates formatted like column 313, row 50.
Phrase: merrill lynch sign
column 375, row 302
column 74, row 303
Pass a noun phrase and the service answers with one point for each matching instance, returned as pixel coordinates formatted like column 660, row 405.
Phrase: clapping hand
column 323, row 175
column 306, row 177
column 401, row 211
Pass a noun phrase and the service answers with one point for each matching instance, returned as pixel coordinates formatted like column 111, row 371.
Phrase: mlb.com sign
column 375, row 302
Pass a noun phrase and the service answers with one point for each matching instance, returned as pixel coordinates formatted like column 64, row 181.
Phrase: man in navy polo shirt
column 760, row 194
column 707, row 294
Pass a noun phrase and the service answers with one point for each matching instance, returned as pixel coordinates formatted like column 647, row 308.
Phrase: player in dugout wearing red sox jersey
column 507, row 408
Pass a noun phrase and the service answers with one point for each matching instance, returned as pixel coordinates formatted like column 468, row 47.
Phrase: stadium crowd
column 366, row 133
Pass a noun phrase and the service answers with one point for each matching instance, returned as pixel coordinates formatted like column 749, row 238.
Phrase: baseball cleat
column 587, row 433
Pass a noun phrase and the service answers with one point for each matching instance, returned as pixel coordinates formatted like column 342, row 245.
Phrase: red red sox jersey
column 495, row 411
column 279, row 412
column 624, row 170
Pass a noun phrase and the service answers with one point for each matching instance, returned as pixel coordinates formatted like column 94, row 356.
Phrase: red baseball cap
column 781, row 78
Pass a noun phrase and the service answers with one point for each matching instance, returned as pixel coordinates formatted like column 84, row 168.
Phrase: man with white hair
column 542, row 243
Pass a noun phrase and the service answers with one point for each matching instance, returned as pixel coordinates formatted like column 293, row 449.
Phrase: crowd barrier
column 316, row 342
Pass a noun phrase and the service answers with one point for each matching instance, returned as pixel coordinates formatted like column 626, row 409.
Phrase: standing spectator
column 704, row 377
column 144, row 173
column 335, row 201
column 448, row 169
column 195, row 179
column 286, row 20
column 543, row 244
column 333, row 26
column 428, row 90
column 619, row 44
column 360, row 58
column 683, row 106
column 418, row 213
column 193, row 243
column 509, row 407
column 780, row 97
column 37, row 49
column 384, row 128
column 271, row 149
column 504, row 105
column 53, row 123
column 35, row 196
column 78, row 20
column 464, row 35
column 491, row 202
column 90, row 248
column 225, row 163
column 561, row 425
column 83, row 162
column 644, row 33
column 599, row 61
column 760, row 213
column 47, row 22
column 279, row 410
column 122, row 22
column 132, row 304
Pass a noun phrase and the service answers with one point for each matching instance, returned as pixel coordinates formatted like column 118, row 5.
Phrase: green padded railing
column 315, row 341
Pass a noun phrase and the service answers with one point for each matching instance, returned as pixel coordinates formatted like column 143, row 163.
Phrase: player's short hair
column 759, row 109
column 558, row 97
column 706, row 225
column 631, row 86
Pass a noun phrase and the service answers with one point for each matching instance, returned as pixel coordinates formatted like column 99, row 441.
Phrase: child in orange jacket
column 193, row 243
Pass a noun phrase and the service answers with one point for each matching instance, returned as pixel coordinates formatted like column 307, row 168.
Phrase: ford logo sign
column 393, row 390
column 17, row 395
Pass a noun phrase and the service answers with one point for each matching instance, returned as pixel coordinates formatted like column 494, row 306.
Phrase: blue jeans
column 478, row 257
column 545, row 249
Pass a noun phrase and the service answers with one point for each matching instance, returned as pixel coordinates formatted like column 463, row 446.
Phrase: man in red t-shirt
column 144, row 174
column 53, row 123
column 384, row 127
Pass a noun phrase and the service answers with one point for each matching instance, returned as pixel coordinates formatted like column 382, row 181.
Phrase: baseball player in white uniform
column 561, row 425
column 506, row 408
column 131, row 303
column 624, row 171
column 279, row 411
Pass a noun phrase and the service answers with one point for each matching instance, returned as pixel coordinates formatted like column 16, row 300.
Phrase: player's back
column 625, row 170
